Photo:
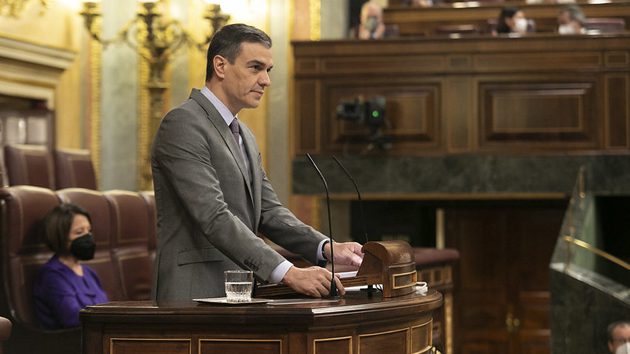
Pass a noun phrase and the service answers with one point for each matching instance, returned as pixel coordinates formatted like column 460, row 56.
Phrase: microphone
column 370, row 288
column 356, row 188
column 333, row 285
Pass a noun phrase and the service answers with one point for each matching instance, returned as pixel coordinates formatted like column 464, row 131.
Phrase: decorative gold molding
column 440, row 229
column 95, row 107
column 315, row 13
column 144, row 179
column 448, row 322
column 414, row 277
column 13, row 8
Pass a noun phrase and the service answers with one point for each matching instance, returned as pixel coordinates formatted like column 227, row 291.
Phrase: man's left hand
column 348, row 253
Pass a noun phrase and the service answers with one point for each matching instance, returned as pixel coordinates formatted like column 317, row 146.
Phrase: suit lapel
column 252, row 152
column 215, row 118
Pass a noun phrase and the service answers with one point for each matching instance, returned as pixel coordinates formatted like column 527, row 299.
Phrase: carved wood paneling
column 240, row 345
column 617, row 111
column 421, row 337
column 306, row 124
column 469, row 95
column 535, row 62
column 412, row 113
column 335, row 345
column 533, row 113
column 395, row 341
column 154, row 345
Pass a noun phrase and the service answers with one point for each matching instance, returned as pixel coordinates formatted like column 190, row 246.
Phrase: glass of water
column 238, row 285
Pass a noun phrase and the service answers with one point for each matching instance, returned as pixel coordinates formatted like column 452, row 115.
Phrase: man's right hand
column 311, row 281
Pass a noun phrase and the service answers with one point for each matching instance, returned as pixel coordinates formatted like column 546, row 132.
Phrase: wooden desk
column 421, row 21
column 354, row 324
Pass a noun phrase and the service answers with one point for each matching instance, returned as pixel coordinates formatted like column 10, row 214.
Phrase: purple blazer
column 60, row 294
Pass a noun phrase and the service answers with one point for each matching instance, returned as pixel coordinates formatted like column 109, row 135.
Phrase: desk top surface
column 297, row 310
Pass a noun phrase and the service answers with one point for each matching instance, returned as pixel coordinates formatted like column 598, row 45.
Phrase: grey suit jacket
column 209, row 208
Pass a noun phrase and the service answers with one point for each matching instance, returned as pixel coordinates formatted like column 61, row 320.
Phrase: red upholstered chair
column 74, row 168
column 5, row 330
column 31, row 165
column 130, row 227
column 96, row 204
column 22, row 253
column 149, row 199
column 26, row 251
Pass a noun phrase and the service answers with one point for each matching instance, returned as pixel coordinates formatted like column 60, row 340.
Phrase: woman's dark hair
column 57, row 224
column 226, row 42
column 506, row 12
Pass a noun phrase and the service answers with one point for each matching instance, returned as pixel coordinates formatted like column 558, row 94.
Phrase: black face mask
column 83, row 247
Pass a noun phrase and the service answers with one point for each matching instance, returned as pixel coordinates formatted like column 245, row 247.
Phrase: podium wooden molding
column 356, row 323
column 387, row 263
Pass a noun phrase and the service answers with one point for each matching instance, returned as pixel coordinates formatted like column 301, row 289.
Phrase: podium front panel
column 353, row 324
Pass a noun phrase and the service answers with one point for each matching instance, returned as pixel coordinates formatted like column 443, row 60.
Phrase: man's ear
column 219, row 64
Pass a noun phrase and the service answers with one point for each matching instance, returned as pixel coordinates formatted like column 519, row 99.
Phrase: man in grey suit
column 212, row 194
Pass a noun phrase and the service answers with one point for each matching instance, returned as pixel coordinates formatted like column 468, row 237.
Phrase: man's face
column 245, row 80
column 620, row 336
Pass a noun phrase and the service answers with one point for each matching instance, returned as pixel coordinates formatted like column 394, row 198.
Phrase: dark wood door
column 502, row 279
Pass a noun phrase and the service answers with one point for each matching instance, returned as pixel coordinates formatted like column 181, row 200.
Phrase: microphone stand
column 370, row 288
column 333, row 286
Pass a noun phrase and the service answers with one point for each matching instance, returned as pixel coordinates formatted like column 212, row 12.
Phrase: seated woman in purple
column 64, row 286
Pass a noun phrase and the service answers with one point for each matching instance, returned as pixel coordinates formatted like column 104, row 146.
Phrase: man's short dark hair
column 226, row 42
column 57, row 224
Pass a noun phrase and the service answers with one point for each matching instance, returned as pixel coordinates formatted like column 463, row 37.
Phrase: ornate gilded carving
column 13, row 8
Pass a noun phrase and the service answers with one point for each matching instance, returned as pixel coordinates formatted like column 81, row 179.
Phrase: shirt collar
column 223, row 110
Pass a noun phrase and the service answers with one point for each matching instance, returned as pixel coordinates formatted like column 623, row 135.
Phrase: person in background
column 511, row 20
column 421, row 3
column 571, row 20
column 371, row 25
column 619, row 337
column 64, row 286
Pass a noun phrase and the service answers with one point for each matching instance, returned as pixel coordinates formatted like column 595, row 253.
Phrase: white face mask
column 566, row 29
column 520, row 25
column 371, row 24
column 623, row 349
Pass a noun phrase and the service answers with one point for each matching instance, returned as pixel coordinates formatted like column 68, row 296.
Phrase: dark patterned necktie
column 235, row 131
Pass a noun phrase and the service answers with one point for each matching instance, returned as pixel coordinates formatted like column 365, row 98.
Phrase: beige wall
column 58, row 26
column 82, row 117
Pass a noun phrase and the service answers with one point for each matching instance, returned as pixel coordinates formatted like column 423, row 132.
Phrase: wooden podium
column 396, row 321
column 390, row 264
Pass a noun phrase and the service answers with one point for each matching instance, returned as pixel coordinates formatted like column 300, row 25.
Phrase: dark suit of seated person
column 64, row 286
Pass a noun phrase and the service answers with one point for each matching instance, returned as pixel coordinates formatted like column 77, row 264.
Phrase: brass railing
column 585, row 245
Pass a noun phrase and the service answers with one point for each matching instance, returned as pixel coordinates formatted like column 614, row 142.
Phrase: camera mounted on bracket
column 369, row 113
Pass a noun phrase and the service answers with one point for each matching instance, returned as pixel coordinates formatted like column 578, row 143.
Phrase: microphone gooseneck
column 333, row 285
column 356, row 188
column 370, row 289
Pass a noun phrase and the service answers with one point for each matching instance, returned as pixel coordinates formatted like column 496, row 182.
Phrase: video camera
column 370, row 113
